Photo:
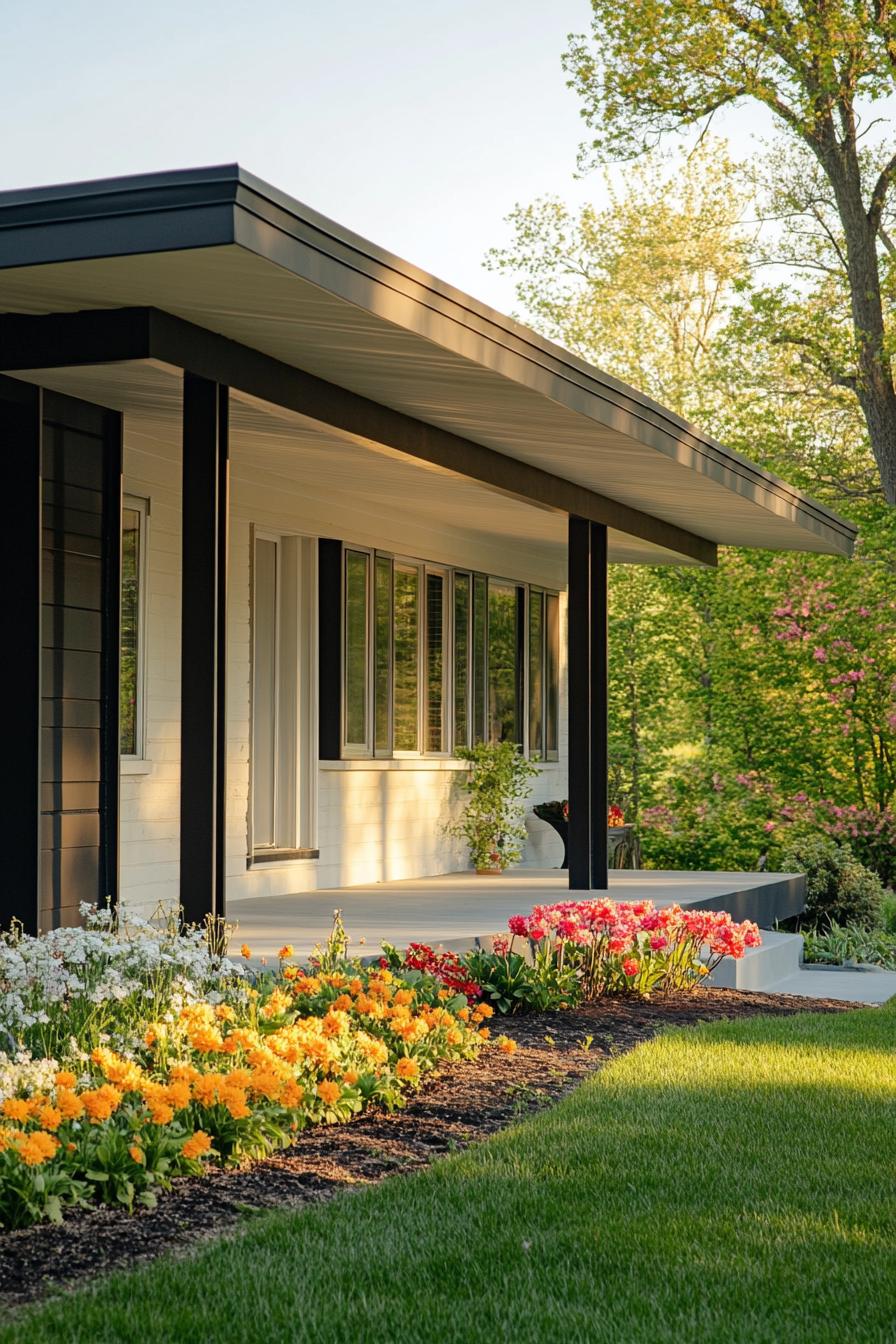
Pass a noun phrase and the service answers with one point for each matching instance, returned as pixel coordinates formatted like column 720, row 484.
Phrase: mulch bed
column 464, row 1103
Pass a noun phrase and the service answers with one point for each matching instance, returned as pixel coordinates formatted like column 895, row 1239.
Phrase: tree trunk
column 874, row 385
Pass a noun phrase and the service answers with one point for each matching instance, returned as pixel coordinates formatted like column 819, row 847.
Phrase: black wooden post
column 579, row 691
column 203, row 647
column 598, row 707
column 20, row 558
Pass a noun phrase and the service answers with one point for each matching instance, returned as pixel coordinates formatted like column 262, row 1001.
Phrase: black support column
column 204, row 647
column 587, row 663
column 20, row 557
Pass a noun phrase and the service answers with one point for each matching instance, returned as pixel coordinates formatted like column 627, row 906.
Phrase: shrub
column 511, row 984
column 839, row 889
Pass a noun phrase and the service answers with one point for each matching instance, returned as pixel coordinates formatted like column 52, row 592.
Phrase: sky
column 416, row 124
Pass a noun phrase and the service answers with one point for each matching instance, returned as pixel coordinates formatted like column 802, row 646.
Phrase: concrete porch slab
column 457, row 909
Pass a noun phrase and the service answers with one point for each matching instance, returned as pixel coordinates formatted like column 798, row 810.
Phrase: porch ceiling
column 299, row 457
column 229, row 253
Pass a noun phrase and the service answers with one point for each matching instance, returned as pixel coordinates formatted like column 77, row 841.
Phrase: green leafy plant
column 512, row 985
column 492, row 822
column 839, row 889
column 841, row 944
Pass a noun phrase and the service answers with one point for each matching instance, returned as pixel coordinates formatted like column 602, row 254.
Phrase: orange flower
column 484, row 1033
column 350, row 1077
column 403, row 996
column 234, row 1098
column 49, row 1117
column 246, row 951
column 101, row 1102
column 355, row 986
column 292, row 1095
column 343, row 1003
column 160, row 1113
column 197, row 1145
column 332, row 1025
column 65, row 1079
column 329, row 1092
column 69, row 1104
column 506, row 1045
column 407, row 1068
column 15, row 1108
column 8, row 1137
column 137, row 1154
column 286, row 952
column 454, row 1037
column 35, row 1149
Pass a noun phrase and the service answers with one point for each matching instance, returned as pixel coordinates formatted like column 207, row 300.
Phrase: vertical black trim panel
column 110, row 675
column 203, row 648
column 329, row 642
column 20, row 557
column 579, row 690
column 598, row 707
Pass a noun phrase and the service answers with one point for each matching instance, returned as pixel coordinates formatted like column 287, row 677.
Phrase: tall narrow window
column 436, row 662
column 536, row 671
column 133, row 547
column 406, row 676
column 462, row 613
column 356, row 675
column 552, row 676
column 504, row 671
column 480, row 654
column 265, row 697
column 383, row 654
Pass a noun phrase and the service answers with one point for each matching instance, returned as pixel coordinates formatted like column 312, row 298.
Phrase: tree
column 659, row 66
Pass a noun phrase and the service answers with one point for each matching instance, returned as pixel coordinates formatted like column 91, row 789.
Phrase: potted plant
column 493, row 818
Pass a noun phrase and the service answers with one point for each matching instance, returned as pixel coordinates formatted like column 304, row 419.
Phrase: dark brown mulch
column 464, row 1103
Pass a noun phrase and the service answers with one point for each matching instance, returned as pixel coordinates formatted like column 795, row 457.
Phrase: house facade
column 291, row 521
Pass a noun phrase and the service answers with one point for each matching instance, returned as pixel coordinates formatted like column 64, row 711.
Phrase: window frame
column 140, row 505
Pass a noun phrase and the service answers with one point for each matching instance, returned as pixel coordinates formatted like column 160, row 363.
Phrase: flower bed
column 133, row 1058
column 580, row 950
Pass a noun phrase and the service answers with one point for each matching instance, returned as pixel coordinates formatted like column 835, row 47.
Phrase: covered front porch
column 455, row 910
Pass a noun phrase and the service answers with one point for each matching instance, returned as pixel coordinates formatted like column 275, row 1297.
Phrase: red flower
column 630, row 967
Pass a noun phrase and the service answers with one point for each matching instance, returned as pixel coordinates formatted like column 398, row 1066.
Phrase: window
column 463, row 611
column 435, row 659
column 356, row 689
column 133, row 567
column 504, row 663
column 405, row 658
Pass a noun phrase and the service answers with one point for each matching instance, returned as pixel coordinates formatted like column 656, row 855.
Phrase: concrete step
column 872, row 986
column 778, row 958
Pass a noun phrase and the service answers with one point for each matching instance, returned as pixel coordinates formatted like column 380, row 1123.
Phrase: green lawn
column 731, row 1183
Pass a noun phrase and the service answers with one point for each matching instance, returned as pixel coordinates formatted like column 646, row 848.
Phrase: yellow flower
column 197, row 1145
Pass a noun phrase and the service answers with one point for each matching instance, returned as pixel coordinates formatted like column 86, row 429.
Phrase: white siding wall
column 376, row 820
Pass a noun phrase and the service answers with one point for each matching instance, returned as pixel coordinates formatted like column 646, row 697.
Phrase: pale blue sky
column 418, row 123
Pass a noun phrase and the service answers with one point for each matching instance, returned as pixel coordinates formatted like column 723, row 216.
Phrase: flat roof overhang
column 226, row 253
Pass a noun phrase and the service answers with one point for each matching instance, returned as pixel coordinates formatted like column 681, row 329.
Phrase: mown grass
column 734, row 1183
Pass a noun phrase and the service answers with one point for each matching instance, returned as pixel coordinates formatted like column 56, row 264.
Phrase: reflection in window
column 480, row 612
column 435, row 662
column 552, row 675
column 132, row 543
column 357, row 565
column 406, row 658
column 536, row 672
column 503, row 663
column 461, row 660
column 383, row 653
